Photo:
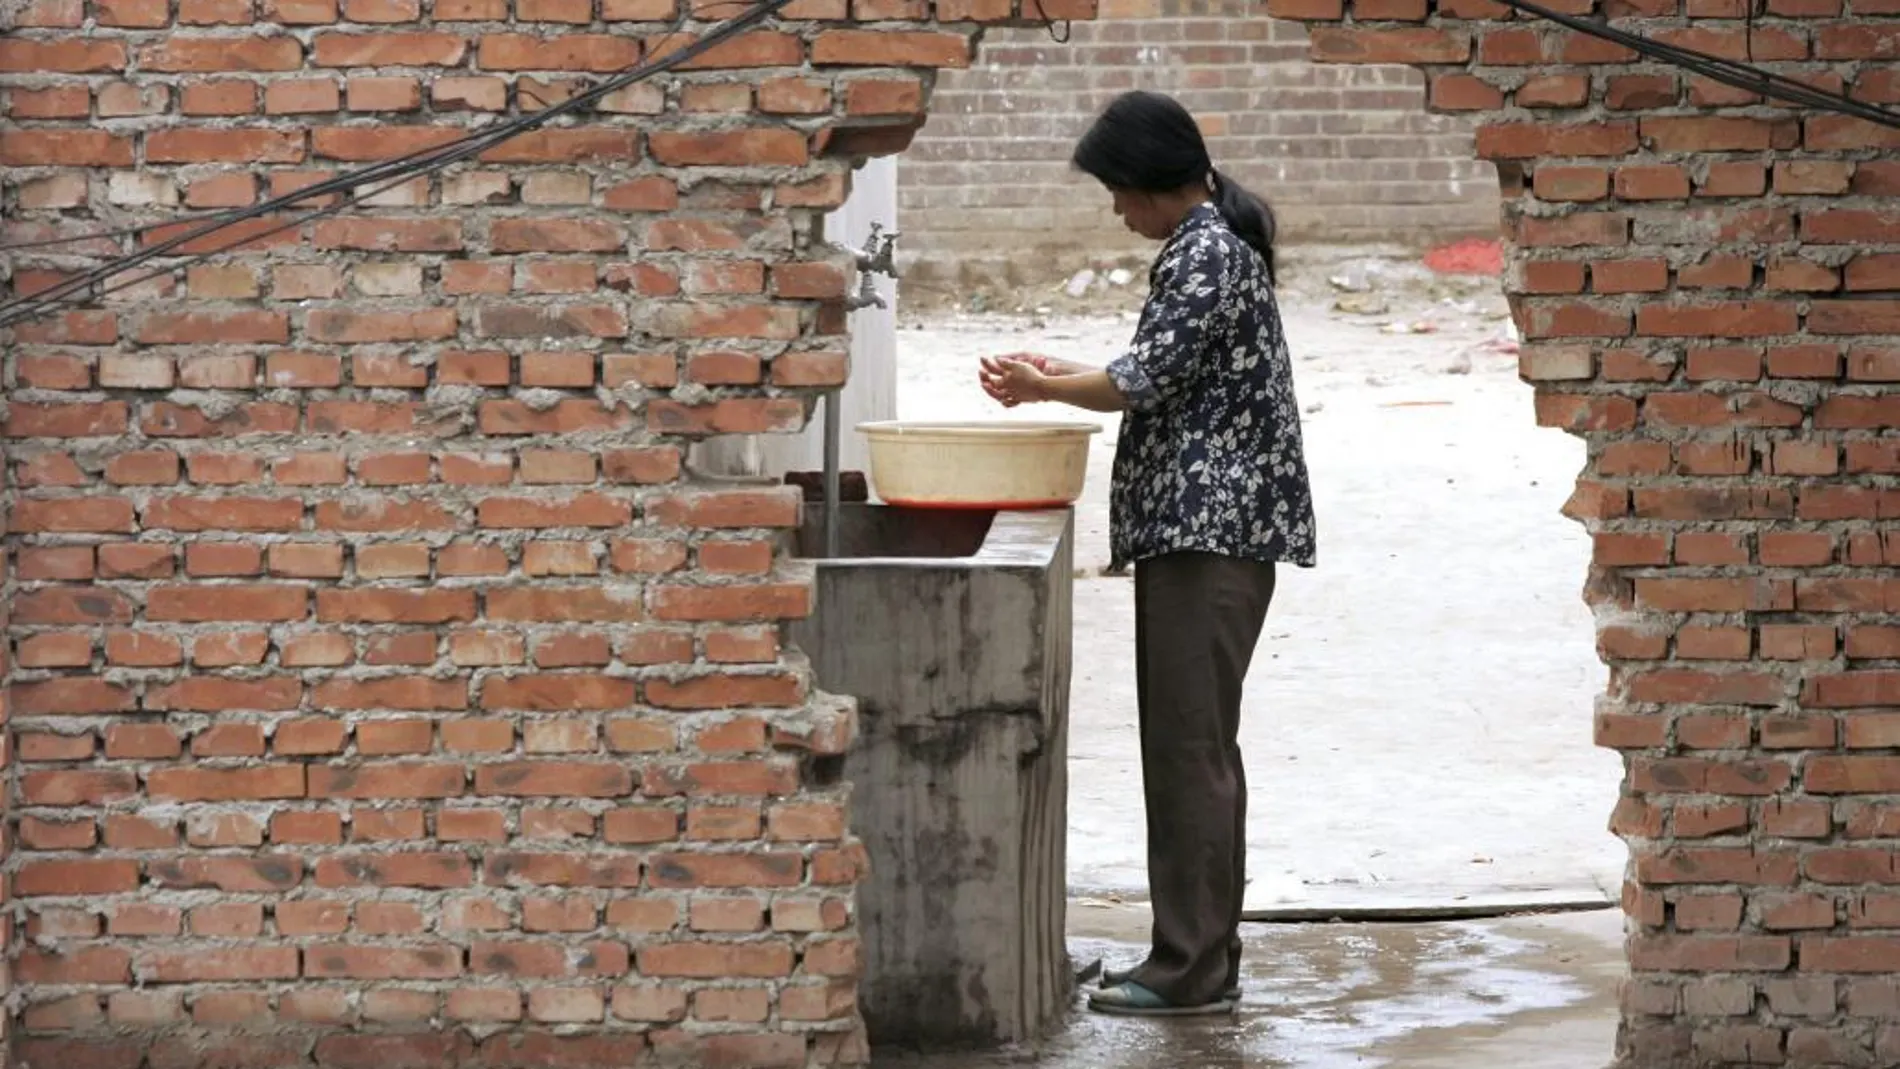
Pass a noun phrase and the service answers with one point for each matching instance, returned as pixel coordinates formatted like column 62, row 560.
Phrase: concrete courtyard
column 1418, row 727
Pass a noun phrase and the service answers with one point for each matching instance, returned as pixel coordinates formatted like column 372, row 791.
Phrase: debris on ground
column 1354, row 281
column 1457, row 279
column 1363, row 304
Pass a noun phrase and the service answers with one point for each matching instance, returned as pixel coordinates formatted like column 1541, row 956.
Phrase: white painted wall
column 870, row 393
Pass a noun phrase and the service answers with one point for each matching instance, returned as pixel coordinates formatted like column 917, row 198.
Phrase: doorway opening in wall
column 1418, row 723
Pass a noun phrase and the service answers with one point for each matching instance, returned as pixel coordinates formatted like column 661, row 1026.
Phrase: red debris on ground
column 1473, row 256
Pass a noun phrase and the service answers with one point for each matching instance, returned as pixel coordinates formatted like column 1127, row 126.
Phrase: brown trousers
column 1197, row 619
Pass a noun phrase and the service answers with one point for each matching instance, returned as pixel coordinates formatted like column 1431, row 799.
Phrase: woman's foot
column 1130, row 999
column 1117, row 977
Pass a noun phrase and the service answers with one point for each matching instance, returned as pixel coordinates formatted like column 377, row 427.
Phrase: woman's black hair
column 1148, row 143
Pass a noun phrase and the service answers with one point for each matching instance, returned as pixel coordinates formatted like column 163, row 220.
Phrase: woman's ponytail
column 1247, row 215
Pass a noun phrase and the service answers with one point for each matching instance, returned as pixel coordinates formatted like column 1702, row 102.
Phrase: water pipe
column 874, row 259
column 832, row 433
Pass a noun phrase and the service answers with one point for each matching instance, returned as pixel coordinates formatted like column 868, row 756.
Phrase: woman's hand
column 1048, row 365
column 1016, row 379
column 995, row 375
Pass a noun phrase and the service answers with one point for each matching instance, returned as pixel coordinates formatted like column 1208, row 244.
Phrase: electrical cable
column 339, row 182
column 1740, row 75
column 390, row 172
column 97, row 290
column 398, row 170
column 1733, row 73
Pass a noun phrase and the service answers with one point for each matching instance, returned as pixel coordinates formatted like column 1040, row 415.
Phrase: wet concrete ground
column 1520, row 993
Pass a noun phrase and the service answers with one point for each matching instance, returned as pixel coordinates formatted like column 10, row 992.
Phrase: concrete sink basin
column 952, row 630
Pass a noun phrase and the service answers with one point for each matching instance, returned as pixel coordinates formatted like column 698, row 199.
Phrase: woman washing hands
column 1027, row 378
column 1209, row 495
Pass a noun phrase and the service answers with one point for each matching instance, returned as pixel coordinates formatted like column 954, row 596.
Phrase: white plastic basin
column 979, row 465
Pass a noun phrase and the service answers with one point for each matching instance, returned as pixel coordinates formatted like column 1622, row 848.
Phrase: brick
column 265, row 782
column 642, row 195
column 550, row 693
column 1554, row 91
column 89, row 965
column 724, row 691
column 68, row 788
column 1526, row 140
column 553, row 779
column 381, row 963
column 421, row 870
column 762, row 960
column 1706, row 134
column 735, row 148
column 735, row 777
column 1422, row 46
column 566, row 146
column 225, row 965
column 1728, row 320
column 556, row 235
column 388, row 49
column 224, row 146
column 235, row 603
column 794, row 96
column 570, row 52
column 860, row 48
column 588, row 510
column 1571, row 183
column 732, row 1004
column 200, row 55
column 75, row 878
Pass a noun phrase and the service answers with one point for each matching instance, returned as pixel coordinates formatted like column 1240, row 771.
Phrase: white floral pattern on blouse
column 1210, row 457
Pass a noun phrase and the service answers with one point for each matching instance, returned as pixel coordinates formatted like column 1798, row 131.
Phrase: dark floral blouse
column 1210, row 458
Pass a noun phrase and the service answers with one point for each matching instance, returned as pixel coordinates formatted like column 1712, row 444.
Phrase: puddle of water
column 1313, row 997
column 1377, row 986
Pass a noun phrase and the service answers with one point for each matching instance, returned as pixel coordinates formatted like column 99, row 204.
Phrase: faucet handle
column 878, row 249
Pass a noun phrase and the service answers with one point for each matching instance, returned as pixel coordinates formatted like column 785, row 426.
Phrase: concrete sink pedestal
column 952, row 631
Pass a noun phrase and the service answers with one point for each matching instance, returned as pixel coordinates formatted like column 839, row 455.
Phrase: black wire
column 398, row 170
column 338, row 182
column 97, row 291
column 1739, row 75
column 420, row 162
column 1729, row 72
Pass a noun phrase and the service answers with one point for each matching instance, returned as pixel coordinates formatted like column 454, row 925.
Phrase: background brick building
column 1346, row 155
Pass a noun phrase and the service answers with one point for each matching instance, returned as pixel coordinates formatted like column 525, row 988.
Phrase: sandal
column 1117, row 977
column 1130, row 999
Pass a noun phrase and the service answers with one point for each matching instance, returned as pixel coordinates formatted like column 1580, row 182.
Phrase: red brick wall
column 7, row 936
column 387, row 695
column 1705, row 282
column 1347, row 155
